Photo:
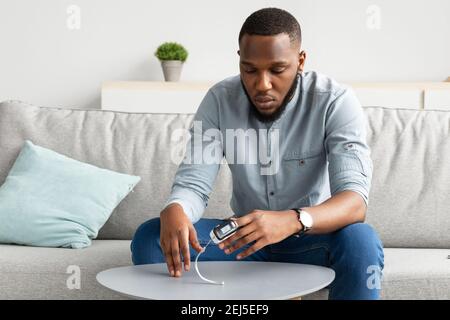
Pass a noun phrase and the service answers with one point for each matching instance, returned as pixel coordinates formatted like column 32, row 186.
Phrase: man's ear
column 301, row 61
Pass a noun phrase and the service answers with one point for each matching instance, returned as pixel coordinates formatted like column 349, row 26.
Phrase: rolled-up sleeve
column 350, row 165
column 197, row 172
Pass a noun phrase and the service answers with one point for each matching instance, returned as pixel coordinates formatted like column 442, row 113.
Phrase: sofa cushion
column 51, row 200
column 416, row 274
column 52, row 273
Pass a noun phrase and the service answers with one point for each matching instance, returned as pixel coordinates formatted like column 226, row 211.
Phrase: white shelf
column 438, row 99
column 185, row 97
column 153, row 97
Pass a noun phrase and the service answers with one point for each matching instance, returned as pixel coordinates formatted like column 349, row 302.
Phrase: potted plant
column 172, row 56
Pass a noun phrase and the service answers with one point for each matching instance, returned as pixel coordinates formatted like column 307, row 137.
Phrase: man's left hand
column 262, row 228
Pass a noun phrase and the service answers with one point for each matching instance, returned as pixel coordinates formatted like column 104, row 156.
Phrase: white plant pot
column 172, row 69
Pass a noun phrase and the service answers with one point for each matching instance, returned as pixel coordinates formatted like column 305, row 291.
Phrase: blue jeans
column 354, row 252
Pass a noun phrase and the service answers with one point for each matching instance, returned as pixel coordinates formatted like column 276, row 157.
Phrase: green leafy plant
column 171, row 51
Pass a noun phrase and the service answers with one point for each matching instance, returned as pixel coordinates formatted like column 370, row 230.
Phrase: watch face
column 306, row 219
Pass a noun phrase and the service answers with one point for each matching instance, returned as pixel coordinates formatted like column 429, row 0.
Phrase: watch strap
column 304, row 229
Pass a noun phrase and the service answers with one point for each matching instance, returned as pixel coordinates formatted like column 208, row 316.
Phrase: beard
column 278, row 112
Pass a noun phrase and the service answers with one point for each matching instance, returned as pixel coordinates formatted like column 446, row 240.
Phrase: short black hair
column 272, row 21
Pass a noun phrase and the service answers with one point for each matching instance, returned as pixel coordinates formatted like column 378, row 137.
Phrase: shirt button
column 272, row 193
column 301, row 162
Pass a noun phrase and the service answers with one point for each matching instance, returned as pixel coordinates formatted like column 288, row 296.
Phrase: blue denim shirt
column 315, row 149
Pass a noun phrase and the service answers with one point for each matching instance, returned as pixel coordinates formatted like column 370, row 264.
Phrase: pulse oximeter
column 223, row 231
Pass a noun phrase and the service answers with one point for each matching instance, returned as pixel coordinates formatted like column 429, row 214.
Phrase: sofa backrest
column 409, row 199
column 138, row 144
column 410, row 196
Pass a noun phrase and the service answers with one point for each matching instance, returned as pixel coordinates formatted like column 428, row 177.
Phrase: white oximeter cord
column 198, row 272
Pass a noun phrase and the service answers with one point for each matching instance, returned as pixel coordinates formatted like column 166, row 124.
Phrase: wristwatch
column 305, row 219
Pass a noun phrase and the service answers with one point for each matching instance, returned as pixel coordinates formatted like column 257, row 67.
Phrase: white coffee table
column 244, row 280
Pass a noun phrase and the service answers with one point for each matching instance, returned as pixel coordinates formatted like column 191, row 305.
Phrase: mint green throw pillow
column 51, row 200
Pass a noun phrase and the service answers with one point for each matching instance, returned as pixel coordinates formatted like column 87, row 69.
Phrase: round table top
column 244, row 280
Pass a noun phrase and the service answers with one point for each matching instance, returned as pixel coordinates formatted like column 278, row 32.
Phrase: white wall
column 45, row 62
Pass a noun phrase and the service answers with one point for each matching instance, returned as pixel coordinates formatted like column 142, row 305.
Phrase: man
column 307, row 202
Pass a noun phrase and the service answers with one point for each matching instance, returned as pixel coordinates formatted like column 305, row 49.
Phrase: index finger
column 242, row 232
column 244, row 220
column 184, row 248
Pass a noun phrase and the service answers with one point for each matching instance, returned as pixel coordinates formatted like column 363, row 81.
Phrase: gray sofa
column 409, row 200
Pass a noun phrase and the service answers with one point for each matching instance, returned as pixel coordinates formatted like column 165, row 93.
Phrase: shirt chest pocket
column 304, row 164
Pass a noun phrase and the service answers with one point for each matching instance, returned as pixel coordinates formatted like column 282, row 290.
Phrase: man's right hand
column 177, row 231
